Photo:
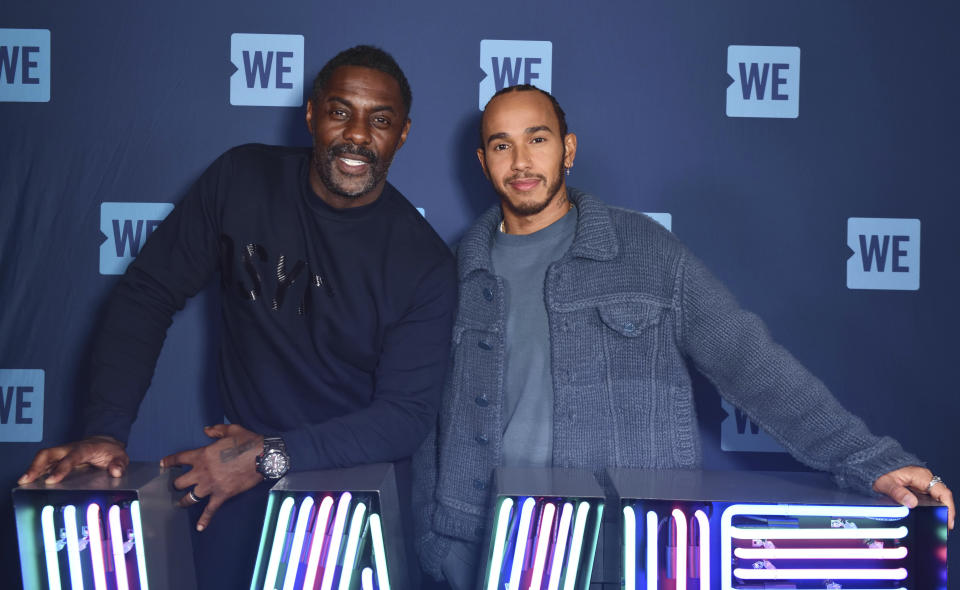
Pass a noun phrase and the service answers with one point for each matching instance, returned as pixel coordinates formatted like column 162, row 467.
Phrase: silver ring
column 936, row 479
column 195, row 498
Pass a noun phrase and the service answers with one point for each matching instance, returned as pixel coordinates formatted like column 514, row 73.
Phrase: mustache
column 353, row 150
column 516, row 177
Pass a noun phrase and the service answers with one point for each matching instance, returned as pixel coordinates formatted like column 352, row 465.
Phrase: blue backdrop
column 837, row 128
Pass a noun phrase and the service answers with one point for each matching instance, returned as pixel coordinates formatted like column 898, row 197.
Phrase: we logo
column 886, row 254
column 24, row 65
column 21, row 405
column 508, row 63
column 766, row 81
column 127, row 227
column 739, row 433
column 269, row 70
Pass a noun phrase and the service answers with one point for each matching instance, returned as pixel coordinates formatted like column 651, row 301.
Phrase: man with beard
column 575, row 325
column 337, row 302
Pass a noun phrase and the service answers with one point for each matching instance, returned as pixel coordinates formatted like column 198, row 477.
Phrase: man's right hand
column 103, row 452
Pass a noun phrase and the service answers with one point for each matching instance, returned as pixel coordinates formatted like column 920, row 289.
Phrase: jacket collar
column 595, row 238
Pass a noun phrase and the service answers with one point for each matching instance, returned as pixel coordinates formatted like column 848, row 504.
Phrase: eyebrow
column 527, row 131
column 377, row 108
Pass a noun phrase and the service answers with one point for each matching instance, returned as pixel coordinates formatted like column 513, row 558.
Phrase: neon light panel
column 96, row 547
column 116, row 543
column 138, row 543
column 73, row 546
column 813, row 553
column 379, row 553
column 276, row 550
column 767, row 530
column 629, row 548
column 353, row 540
column 542, row 543
column 820, row 574
column 50, row 547
column 563, row 531
column 336, row 539
column 652, row 550
column 526, row 513
column 316, row 543
column 299, row 531
column 499, row 540
column 703, row 527
column 576, row 545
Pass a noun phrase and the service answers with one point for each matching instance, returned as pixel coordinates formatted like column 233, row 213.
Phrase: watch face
column 274, row 464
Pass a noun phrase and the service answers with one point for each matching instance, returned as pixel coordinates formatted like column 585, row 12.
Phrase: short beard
column 324, row 167
column 530, row 209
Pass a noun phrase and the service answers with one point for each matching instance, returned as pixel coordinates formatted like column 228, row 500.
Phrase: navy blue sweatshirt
column 335, row 323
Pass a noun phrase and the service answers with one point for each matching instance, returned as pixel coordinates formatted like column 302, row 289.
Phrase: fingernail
column 161, row 464
column 200, row 528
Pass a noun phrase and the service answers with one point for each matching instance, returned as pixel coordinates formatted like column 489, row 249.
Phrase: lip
column 524, row 184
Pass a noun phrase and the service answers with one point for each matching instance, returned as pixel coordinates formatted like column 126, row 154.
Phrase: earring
column 568, row 171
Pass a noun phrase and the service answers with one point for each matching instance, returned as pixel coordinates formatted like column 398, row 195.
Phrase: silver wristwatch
column 274, row 462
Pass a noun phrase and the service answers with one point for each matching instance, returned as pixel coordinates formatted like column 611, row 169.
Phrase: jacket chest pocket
column 632, row 334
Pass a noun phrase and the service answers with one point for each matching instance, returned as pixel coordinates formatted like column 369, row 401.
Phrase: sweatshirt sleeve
column 176, row 262
column 408, row 384
column 734, row 350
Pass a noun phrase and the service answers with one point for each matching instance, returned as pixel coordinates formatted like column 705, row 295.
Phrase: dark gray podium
column 96, row 532
column 333, row 530
column 544, row 529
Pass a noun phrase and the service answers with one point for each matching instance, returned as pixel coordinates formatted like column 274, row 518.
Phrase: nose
column 356, row 131
column 521, row 157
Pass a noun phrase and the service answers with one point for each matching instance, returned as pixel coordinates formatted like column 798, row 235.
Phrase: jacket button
column 481, row 401
column 481, row 439
column 480, row 485
column 485, row 345
column 487, row 294
column 629, row 327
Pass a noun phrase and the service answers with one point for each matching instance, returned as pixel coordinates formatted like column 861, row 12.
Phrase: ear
column 570, row 143
column 310, row 116
column 482, row 156
column 403, row 134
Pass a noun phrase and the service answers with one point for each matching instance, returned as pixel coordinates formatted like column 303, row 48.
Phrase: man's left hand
column 220, row 470
column 898, row 485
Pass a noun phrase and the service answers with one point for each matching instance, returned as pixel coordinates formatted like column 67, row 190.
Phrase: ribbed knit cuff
column 863, row 468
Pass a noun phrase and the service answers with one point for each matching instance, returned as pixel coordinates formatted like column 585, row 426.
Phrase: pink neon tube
column 816, row 553
column 703, row 526
column 566, row 514
column 336, row 539
column 680, row 519
column 543, row 544
column 316, row 543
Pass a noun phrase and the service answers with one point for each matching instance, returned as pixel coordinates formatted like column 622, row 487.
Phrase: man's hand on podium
column 898, row 485
column 220, row 470
column 102, row 452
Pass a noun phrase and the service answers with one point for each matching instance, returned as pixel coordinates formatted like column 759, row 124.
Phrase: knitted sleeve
column 734, row 350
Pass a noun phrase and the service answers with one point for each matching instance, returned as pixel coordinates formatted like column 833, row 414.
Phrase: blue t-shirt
column 522, row 261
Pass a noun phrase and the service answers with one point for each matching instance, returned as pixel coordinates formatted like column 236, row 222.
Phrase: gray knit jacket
column 628, row 307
